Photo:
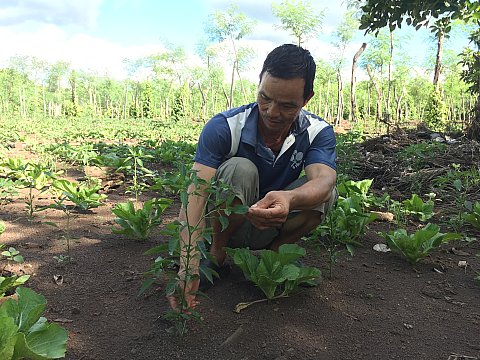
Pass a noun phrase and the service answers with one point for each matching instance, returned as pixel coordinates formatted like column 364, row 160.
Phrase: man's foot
column 207, row 267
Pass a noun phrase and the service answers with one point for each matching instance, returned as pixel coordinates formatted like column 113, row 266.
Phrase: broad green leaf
column 7, row 337
column 245, row 260
column 289, row 253
column 48, row 343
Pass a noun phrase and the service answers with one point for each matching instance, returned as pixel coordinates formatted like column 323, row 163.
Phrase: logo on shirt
column 296, row 159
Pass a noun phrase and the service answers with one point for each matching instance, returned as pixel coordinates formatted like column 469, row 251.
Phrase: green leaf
column 290, row 253
column 48, row 343
column 7, row 337
column 244, row 259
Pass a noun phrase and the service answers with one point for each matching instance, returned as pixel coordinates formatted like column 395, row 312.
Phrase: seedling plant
column 415, row 247
column 8, row 281
column 277, row 274
column 417, row 208
column 139, row 223
column 83, row 196
column 343, row 227
column 219, row 203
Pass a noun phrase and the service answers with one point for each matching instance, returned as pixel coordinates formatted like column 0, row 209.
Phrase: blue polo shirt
column 235, row 133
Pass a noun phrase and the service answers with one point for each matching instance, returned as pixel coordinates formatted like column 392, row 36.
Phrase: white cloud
column 60, row 12
column 52, row 44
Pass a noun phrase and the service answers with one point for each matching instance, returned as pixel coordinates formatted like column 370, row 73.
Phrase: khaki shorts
column 242, row 175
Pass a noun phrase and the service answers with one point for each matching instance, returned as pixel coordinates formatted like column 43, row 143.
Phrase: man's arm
column 318, row 189
column 194, row 212
column 273, row 209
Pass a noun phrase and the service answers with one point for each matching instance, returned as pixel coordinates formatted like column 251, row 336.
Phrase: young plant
column 343, row 226
column 25, row 334
column 35, row 177
column 277, row 274
column 359, row 189
column 60, row 204
column 415, row 247
column 138, row 223
column 219, row 198
column 8, row 189
column 473, row 217
column 417, row 208
column 134, row 163
column 83, row 196
column 10, row 282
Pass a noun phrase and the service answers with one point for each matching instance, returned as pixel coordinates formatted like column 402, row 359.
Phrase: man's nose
column 273, row 110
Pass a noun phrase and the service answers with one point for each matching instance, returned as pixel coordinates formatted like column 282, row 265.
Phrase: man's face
column 279, row 102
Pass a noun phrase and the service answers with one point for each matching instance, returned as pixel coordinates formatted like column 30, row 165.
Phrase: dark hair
column 290, row 61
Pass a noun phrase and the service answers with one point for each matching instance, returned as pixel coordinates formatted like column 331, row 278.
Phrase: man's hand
column 271, row 211
column 186, row 293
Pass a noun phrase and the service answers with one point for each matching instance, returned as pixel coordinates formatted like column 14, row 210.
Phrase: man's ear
column 308, row 98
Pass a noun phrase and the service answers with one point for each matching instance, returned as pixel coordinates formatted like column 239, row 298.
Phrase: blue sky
column 97, row 35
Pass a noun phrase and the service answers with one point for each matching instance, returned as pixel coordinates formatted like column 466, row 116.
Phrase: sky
column 97, row 35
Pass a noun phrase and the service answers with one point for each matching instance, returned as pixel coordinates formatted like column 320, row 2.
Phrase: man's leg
column 296, row 227
column 242, row 175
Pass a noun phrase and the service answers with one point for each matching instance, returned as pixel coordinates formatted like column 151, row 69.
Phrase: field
column 369, row 304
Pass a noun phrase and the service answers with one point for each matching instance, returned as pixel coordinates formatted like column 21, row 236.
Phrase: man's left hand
column 271, row 211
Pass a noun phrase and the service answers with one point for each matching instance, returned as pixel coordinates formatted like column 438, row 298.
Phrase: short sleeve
column 322, row 149
column 214, row 142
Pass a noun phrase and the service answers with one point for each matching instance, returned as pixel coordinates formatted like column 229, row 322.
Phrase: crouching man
column 260, row 150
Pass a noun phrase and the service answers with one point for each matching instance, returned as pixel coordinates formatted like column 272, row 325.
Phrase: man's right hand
column 185, row 294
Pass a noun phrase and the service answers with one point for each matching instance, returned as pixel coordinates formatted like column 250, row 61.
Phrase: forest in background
column 394, row 93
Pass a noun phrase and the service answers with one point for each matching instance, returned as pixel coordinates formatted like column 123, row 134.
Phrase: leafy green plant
column 416, row 246
column 8, row 281
column 473, row 217
column 3, row 226
column 456, row 186
column 343, row 226
column 416, row 155
column 134, row 163
column 25, row 334
column 219, row 198
column 35, row 177
column 359, row 189
column 8, row 189
column 275, row 273
column 83, row 196
column 417, row 208
column 138, row 223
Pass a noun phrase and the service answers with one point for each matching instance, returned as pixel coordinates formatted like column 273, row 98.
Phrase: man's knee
column 242, row 175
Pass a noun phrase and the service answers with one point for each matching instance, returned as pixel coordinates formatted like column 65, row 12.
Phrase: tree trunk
column 353, row 97
column 125, row 103
column 230, row 98
column 379, row 94
column 340, row 99
column 327, row 100
column 390, row 60
column 438, row 59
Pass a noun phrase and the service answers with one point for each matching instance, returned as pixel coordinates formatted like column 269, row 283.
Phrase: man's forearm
column 193, row 227
column 311, row 194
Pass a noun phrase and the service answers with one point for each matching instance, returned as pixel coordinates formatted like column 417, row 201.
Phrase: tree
column 378, row 14
column 471, row 75
column 381, row 13
column 298, row 17
column 230, row 26
column 343, row 36
column 353, row 97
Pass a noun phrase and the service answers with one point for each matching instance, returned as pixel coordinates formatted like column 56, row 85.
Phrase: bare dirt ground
column 376, row 305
